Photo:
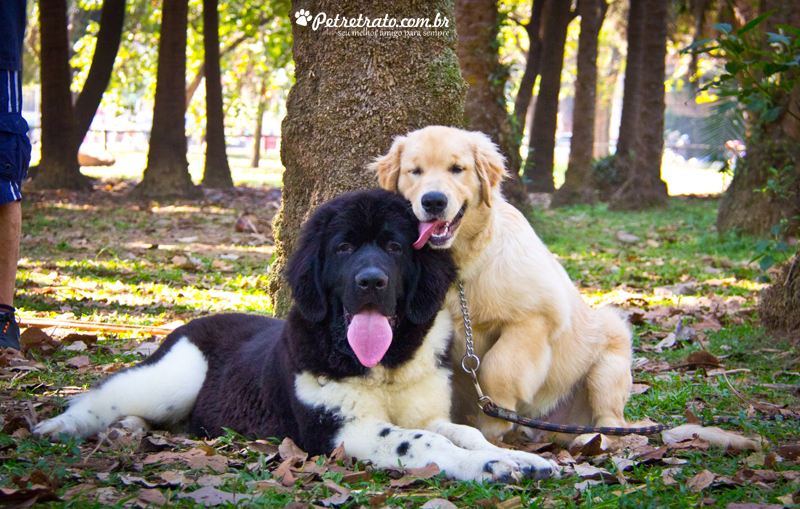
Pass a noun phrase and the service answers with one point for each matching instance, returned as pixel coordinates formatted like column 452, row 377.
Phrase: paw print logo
column 303, row 17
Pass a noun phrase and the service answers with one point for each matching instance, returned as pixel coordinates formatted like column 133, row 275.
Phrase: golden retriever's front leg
column 514, row 369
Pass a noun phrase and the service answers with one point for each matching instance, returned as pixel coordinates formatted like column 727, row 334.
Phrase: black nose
column 372, row 279
column 434, row 202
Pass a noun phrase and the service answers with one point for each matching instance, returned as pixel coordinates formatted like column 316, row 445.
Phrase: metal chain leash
column 470, row 356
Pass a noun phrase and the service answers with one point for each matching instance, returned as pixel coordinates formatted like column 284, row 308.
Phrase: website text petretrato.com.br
column 379, row 26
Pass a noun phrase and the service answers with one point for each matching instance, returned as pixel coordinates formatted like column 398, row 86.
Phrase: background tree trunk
column 262, row 107
column 538, row 173
column 578, row 183
column 485, row 106
column 58, row 168
column 774, row 145
column 351, row 97
column 629, row 121
column 525, row 93
column 112, row 19
column 644, row 187
column 217, row 172
column 604, row 106
column 167, row 171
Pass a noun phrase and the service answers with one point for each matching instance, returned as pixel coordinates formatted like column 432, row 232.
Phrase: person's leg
column 10, row 225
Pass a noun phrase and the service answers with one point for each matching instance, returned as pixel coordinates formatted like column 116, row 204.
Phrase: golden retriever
column 545, row 353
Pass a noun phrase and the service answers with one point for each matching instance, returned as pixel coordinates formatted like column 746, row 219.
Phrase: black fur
column 253, row 360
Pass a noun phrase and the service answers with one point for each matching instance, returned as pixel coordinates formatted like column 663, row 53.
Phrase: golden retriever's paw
column 493, row 429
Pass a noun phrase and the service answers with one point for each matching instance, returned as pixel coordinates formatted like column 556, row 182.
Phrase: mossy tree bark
column 58, row 168
column 644, row 187
column 538, row 172
column 351, row 97
column 774, row 145
column 217, row 172
column 478, row 23
column 578, row 182
column 167, row 171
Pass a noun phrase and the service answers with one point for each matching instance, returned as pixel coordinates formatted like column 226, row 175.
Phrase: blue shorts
column 15, row 147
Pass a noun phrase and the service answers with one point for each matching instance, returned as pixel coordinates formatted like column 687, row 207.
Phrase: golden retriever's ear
column 388, row 166
column 489, row 163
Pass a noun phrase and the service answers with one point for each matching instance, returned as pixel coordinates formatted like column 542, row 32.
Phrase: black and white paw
column 534, row 466
column 66, row 423
column 510, row 467
column 130, row 425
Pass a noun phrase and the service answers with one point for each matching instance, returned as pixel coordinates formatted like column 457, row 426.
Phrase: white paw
column 534, row 466
column 131, row 424
column 509, row 467
column 51, row 429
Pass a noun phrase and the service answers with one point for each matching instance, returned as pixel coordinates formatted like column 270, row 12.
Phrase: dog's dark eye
column 456, row 168
column 394, row 247
column 344, row 247
column 416, row 171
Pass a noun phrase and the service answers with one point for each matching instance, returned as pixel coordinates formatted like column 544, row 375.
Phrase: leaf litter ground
column 690, row 296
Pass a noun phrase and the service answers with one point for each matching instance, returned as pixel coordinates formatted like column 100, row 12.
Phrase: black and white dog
column 360, row 359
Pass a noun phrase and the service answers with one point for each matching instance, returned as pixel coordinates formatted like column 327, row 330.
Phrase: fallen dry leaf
column 288, row 449
column 26, row 498
column 341, row 496
column 209, row 496
column 701, row 481
column 414, row 474
column 78, row 362
column 154, row 497
column 438, row 503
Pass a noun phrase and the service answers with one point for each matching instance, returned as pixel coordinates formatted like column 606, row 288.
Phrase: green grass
column 102, row 259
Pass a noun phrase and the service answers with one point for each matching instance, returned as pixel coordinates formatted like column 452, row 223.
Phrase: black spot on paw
column 428, row 444
column 418, row 435
column 402, row 449
column 384, row 432
column 89, row 412
column 487, row 467
column 537, row 474
column 113, row 407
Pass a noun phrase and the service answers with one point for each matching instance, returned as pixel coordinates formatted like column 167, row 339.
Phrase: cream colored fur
column 543, row 349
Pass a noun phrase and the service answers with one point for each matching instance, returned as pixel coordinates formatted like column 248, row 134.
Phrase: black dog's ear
column 434, row 273
column 305, row 269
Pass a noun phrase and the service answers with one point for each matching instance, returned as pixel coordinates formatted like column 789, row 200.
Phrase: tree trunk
column 217, row 172
column 629, row 121
column 774, row 145
column 578, row 183
column 610, row 181
column 167, row 171
column 112, row 18
column 262, row 107
column 525, row 93
column 538, row 173
column 58, row 168
column 605, row 106
column 478, row 55
column 352, row 96
column 644, row 187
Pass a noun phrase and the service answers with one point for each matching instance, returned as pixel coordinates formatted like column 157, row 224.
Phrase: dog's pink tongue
column 425, row 231
column 370, row 335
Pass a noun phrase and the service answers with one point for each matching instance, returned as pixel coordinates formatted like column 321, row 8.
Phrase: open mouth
column 369, row 334
column 438, row 232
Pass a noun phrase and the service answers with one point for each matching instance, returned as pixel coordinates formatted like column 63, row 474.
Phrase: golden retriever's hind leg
column 609, row 386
